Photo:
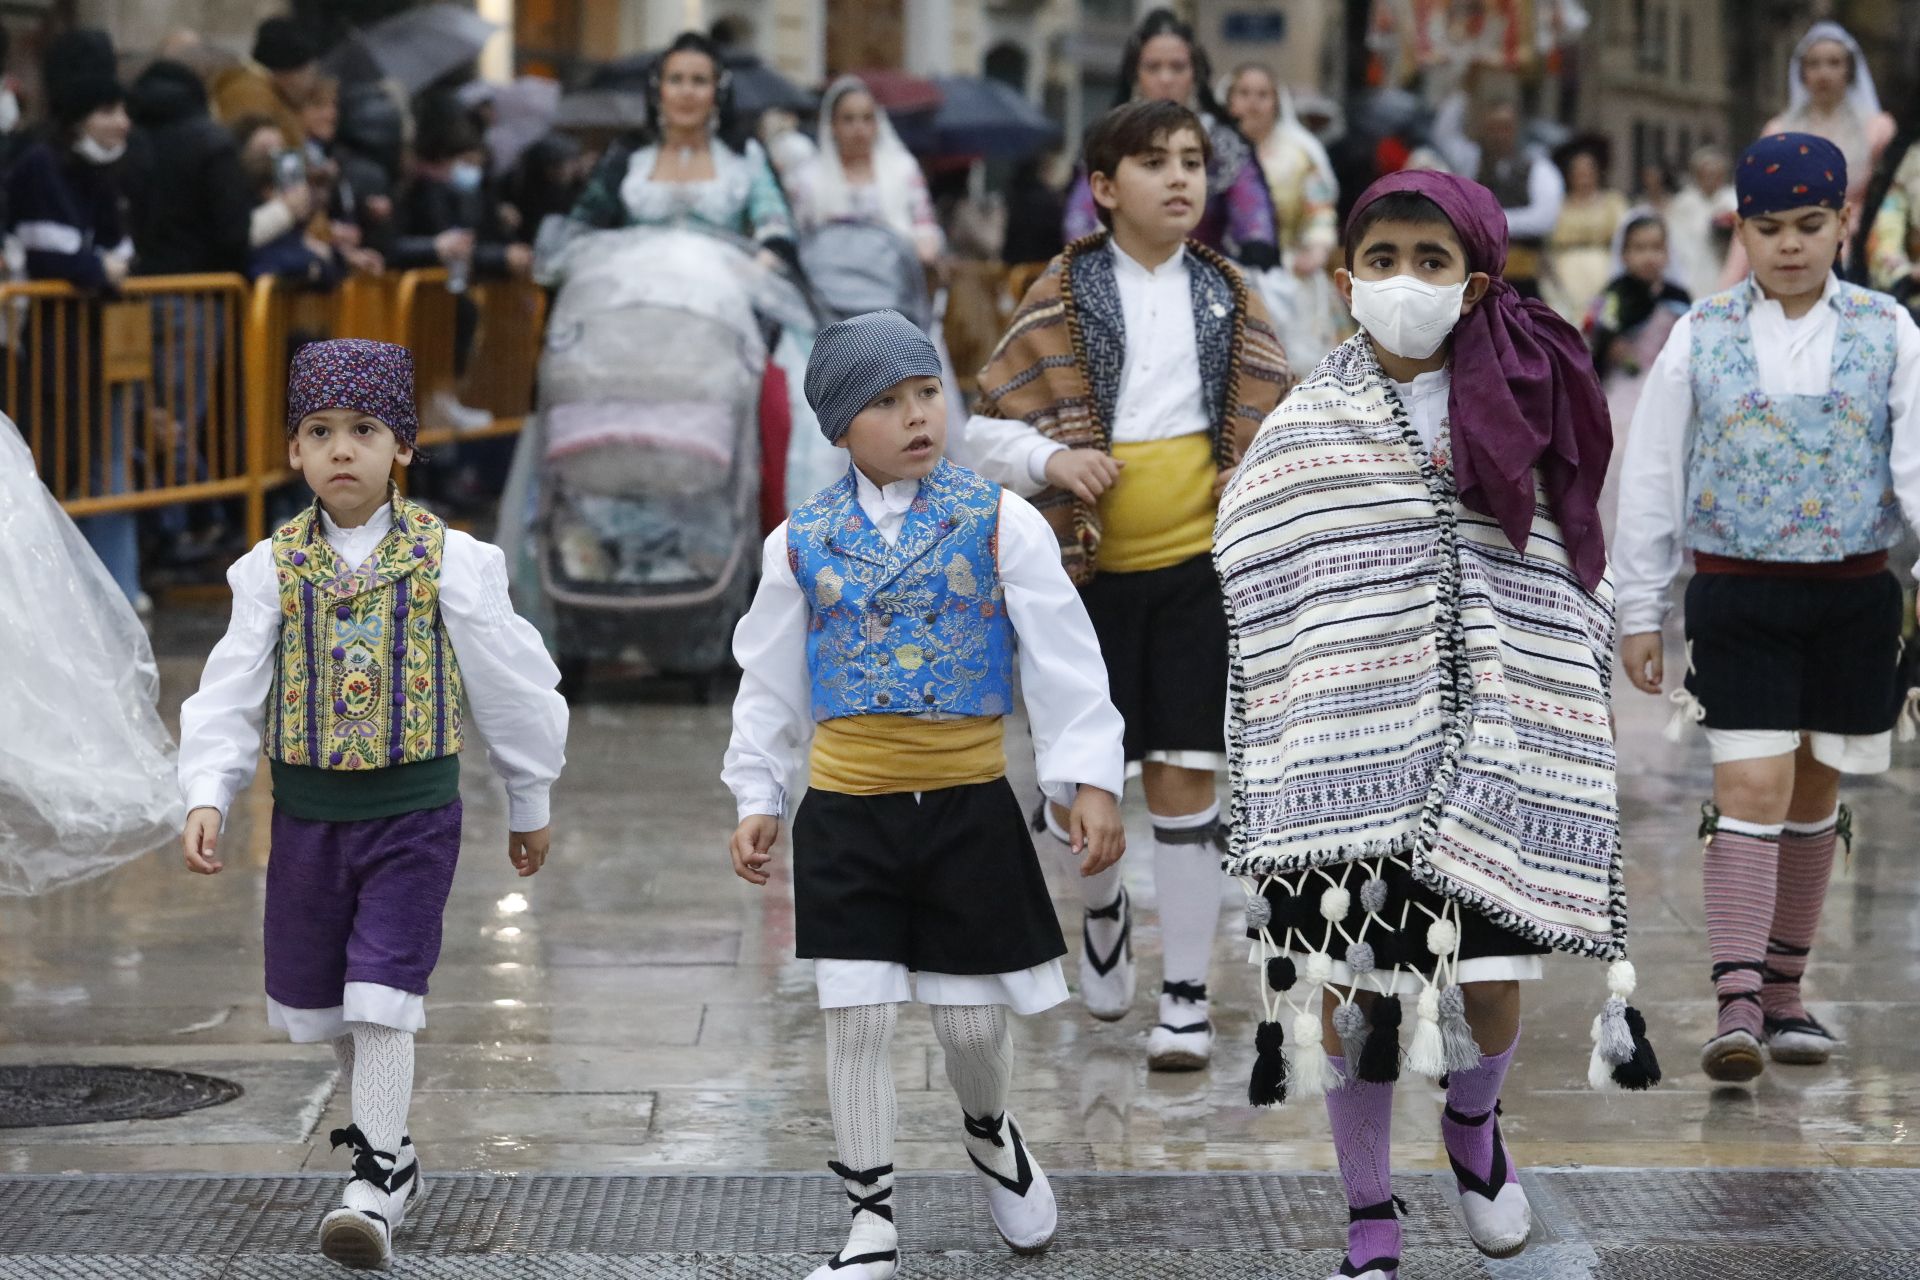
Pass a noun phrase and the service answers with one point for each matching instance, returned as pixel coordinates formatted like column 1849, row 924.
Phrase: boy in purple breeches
column 356, row 628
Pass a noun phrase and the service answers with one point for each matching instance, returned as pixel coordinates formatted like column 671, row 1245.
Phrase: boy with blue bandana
column 893, row 608
column 1777, row 441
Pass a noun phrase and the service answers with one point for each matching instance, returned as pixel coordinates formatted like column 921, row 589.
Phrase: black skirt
column 946, row 883
column 1396, row 943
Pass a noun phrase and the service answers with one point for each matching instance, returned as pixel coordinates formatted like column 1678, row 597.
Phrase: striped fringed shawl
column 1404, row 682
column 1058, row 369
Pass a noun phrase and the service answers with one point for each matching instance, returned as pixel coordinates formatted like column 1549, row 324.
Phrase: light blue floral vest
column 1804, row 479
column 915, row 628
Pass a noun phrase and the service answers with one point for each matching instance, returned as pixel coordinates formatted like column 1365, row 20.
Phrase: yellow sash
column 1160, row 511
column 885, row 755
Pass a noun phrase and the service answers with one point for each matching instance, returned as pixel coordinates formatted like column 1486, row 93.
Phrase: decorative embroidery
column 365, row 676
column 1805, row 479
column 913, row 628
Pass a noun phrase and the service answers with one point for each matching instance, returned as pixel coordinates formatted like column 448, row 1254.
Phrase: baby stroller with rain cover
column 644, row 514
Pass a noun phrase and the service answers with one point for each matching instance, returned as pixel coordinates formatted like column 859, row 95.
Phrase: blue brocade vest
column 910, row 629
column 1804, row 479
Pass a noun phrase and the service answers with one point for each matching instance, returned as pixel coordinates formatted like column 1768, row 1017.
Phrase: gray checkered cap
column 856, row 359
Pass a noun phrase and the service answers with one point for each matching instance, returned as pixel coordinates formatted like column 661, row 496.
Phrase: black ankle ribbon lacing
column 875, row 1204
column 367, row 1166
column 1489, row 1187
column 1192, row 993
column 989, row 1130
column 1388, row 1209
column 1115, row 910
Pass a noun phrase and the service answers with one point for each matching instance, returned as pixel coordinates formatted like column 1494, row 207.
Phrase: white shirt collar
column 377, row 523
column 1426, row 384
column 1761, row 302
column 1126, row 264
column 897, row 496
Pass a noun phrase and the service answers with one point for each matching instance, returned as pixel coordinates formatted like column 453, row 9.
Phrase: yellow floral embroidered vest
column 366, row 676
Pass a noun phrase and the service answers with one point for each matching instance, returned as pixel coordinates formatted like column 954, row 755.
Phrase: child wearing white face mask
column 1423, row 780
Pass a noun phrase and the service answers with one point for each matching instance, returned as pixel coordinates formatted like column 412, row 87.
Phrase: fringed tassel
column 1623, row 1057
column 1350, row 1024
column 1456, row 1037
column 1312, row 1073
column 1380, row 1055
column 1427, row 1055
column 1268, row 1087
column 1642, row 1071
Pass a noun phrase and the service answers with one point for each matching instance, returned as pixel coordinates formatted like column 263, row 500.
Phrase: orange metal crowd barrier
column 175, row 390
column 130, row 402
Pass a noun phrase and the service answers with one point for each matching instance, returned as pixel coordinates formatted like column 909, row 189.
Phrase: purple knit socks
column 1470, row 1129
column 1362, row 1117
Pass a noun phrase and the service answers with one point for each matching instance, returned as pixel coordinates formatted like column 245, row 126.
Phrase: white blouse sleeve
column 1903, row 412
column 1078, row 736
column 221, row 724
column 1647, row 549
column 511, row 681
column 1008, row 452
column 772, row 713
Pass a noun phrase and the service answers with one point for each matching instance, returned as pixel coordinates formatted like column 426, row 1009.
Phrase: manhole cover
column 31, row 1097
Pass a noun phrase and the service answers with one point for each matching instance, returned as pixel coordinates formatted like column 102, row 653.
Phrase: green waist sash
column 355, row 795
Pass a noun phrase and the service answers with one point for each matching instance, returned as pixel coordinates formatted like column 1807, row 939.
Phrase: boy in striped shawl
column 1136, row 371
column 1422, row 749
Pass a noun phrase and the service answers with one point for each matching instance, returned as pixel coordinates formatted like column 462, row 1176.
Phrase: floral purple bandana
column 374, row 378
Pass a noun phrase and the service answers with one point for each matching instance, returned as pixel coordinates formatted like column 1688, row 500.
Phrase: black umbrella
column 981, row 117
column 756, row 86
column 415, row 47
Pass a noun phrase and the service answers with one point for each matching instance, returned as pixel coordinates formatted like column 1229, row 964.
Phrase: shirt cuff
column 1043, row 451
column 1642, row 619
column 762, row 807
column 208, row 793
column 528, row 810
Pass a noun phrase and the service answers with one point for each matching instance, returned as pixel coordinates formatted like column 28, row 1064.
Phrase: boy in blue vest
column 893, row 608
column 355, row 629
column 1778, row 441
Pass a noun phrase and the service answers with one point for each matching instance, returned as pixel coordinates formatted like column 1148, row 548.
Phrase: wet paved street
column 635, row 1009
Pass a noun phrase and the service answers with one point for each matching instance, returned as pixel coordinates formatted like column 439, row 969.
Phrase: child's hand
column 201, row 841
column 1094, row 828
column 1084, row 473
column 1644, row 658
column 1222, row 479
column 527, row 850
column 752, row 847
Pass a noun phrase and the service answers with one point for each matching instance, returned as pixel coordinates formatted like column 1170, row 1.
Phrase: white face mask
column 97, row 154
column 9, row 111
column 1408, row 317
column 465, row 176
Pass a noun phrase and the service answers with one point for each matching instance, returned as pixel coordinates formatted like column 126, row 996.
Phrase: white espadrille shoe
column 1107, row 979
column 1733, row 1058
column 1183, row 1038
column 872, row 1251
column 359, row 1234
column 1799, row 1041
column 1499, row 1219
column 1023, row 1208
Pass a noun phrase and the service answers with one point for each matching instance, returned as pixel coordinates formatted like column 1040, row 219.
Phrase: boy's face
column 1793, row 250
column 1160, row 194
column 346, row 457
column 1430, row 252
column 902, row 434
column 1646, row 254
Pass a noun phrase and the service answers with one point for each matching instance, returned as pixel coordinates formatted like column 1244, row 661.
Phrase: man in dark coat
column 192, row 207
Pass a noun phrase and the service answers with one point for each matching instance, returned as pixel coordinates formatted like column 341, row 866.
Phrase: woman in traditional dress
column 1580, row 250
column 864, row 172
column 1163, row 60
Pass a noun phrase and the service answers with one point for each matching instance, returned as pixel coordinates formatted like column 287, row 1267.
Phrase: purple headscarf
column 374, row 378
column 1524, row 392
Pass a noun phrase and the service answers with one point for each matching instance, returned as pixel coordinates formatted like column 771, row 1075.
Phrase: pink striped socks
column 1806, row 866
column 1741, row 866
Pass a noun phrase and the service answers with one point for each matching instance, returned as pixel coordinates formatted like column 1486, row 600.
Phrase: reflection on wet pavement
column 636, row 1008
